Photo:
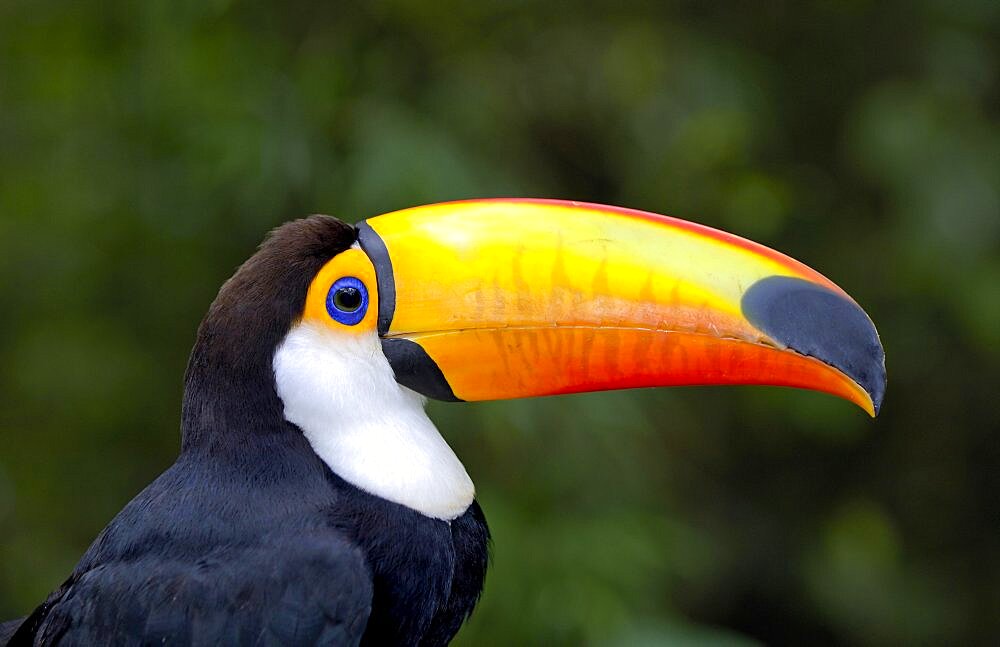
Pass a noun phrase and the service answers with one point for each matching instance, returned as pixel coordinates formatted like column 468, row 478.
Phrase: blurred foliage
column 146, row 147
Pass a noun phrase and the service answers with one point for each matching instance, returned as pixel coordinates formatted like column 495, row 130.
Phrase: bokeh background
column 145, row 148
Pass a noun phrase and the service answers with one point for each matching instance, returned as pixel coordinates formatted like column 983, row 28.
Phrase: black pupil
column 347, row 299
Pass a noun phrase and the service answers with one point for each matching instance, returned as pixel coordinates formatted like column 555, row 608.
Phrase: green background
column 145, row 148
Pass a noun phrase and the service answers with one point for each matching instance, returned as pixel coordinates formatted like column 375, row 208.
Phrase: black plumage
column 249, row 538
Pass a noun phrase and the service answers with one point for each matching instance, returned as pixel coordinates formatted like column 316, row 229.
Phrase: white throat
column 340, row 391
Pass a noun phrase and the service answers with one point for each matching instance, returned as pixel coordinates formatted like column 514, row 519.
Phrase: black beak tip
column 821, row 323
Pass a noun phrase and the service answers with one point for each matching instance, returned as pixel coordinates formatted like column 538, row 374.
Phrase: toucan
column 314, row 502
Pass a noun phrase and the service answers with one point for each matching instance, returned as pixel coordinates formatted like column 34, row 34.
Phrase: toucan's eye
column 347, row 301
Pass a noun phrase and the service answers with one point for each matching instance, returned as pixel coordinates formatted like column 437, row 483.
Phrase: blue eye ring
column 347, row 300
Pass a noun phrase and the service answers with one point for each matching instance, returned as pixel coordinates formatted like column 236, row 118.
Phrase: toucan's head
column 494, row 299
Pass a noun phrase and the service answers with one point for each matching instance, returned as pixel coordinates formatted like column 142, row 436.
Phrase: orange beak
column 493, row 299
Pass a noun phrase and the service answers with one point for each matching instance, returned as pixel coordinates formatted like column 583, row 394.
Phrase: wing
column 306, row 591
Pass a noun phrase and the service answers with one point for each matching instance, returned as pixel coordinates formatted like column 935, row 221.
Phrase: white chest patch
column 340, row 390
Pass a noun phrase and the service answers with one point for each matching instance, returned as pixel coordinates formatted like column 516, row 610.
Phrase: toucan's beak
column 493, row 299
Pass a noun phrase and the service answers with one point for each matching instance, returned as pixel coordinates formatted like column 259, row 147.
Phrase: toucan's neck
column 229, row 397
column 229, row 392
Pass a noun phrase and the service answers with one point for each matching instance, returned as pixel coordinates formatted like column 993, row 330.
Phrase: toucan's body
column 286, row 556
column 313, row 501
